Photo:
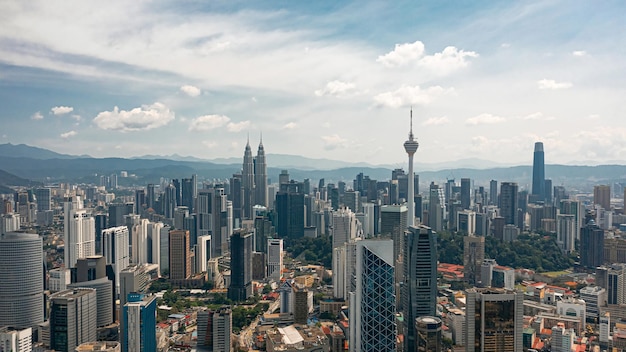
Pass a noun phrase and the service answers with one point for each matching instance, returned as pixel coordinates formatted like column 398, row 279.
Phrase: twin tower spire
column 254, row 179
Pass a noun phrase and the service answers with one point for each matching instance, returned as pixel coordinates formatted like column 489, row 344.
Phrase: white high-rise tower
column 410, row 146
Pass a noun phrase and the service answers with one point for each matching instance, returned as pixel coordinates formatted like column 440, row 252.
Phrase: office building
column 410, row 146
column 566, row 232
column 115, row 243
column 169, row 201
column 345, row 226
column 16, row 340
column 117, row 211
column 73, row 318
column 187, row 196
column 91, row 272
column 539, row 174
column 466, row 222
column 594, row 297
column 136, row 278
column 372, row 305
column 494, row 320
column 473, row 256
column 275, row 258
column 466, row 193
column 58, row 279
column 21, row 280
column 436, row 207
column 428, row 334
column 493, row 192
column 180, row 255
column 591, row 246
column 140, row 201
column 139, row 321
column 290, row 210
column 202, row 253
column 222, row 329
column 508, row 203
column 419, row 292
column 44, row 199
column 602, row 196
column 260, row 177
column 248, row 182
column 241, row 243
column 562, row 338
column 79, row 231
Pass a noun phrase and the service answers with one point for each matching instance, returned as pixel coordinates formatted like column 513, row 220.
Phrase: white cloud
column 76, row 117
column 334, row 141
column 145, row 117
column 208, row 122
column 579, row 53
column 290, row 126
column 410, row 95
column 37, row 116
column 538, row 116
column 68, row 134
column 450, row 59
column 336, row 88
column 484, row 119
column 191, row 90
column 434, row 121
column 402, row 54
column 60, row 110
column 237, row 126
column 552, row 84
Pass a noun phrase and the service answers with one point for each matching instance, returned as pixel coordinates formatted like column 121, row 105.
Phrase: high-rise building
column 21, row 280
column 91, row 272
column 169, row 201
column 573, row 207
column 473, row 256
column 428, row 334
column 591, row 245
column 493, row 192
column 466, row 222
column 202, row 253
column 73, row 318
column 187, row 194
column 275, row 258
column 260, row 177
column 222, row 329
column 79, row 230
column 602, row 196
column 466, row 193
column 16, row 340
column 44, row 200
column 566, row 232
column 117, row 211
column 539, row 173
column 139, row 321
column 236, row 195
column 494, row 320
column 150, row 196
column 419, row 292
column 180, row 255
column 140, row 201
column 436, row 207
column 290, row 210
column 345, row 226
column 248, row 182
column 241, row 243
column 410, row 146
column 372, row 306
column 508, row 203
column 115, row 243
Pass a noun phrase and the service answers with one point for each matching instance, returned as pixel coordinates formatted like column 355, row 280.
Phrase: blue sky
column 320, row 79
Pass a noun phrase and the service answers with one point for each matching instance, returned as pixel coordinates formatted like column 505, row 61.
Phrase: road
column 246, row 334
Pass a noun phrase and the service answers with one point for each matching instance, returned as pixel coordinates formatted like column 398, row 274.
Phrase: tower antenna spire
column 411, row 126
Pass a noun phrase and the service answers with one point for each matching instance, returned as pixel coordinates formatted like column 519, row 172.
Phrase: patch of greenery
column 309, row 250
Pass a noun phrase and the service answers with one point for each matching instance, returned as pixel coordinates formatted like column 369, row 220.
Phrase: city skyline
column 339, row 77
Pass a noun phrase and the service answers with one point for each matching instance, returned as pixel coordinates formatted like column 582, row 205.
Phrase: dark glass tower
column 539, row 173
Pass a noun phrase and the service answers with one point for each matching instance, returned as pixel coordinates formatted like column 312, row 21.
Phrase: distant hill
column 8, row 179
column 26, row 151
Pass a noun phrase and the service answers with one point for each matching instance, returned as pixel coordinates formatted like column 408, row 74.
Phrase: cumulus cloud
column 537, row 116
column 191, row 90
column 290, row 126
column 36, row 116
column 61, row 110
column 334, row 142
column 402, row 54
column 336, row 88
column 208, row 122
column 579, row 53
column 410, row 95
column 237, row 126
column 68, row 134
column 484, row 119
column 450, row 59
column 552, row 84
column 434, row 121
column 145, row 117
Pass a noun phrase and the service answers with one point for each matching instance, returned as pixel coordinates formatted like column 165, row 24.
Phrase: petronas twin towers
column 254, row 180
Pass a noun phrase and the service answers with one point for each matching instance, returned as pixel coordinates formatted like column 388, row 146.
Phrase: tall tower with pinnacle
column 248, row 182
column 410, row 146
column 260, row 176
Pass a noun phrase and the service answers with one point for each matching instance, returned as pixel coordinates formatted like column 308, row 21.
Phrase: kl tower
column 410, row 146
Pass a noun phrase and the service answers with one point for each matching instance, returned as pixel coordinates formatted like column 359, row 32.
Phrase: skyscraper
column 410, row 146
column 248, row 182
column 473, row 256
column 539, row 173
column 493, row 320
column 508, row 202
column 180, row 255
column 241, row 243
column 493, row 192
column 372, row 306
column 591, row 245
column 436, row 207
column 139, row 321
column 290, row 210
column 260, row 177
column 466, row 193
column 21, row 280
column 73, row 317
column 602, row 196
column 115, row 243
column 275, row 258
column 91, row 272
column 80, row 232
column 419, row 292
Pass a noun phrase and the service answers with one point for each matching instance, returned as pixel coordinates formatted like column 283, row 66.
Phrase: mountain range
column 47, row 166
